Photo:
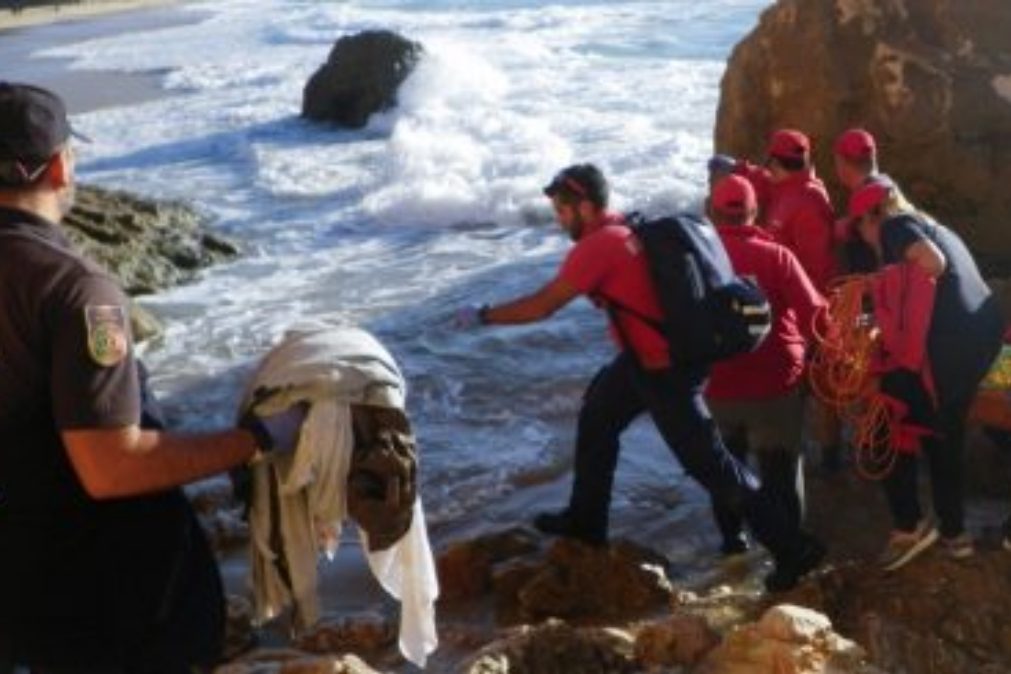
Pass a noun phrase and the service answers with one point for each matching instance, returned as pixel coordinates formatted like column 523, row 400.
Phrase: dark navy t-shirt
column 966, row 327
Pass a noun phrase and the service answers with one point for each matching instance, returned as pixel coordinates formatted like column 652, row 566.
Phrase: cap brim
column 77, row 135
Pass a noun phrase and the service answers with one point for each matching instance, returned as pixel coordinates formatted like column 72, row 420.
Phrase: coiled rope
column 841, row 375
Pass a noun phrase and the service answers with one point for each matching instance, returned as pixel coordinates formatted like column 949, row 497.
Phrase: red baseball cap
column 789, row 144
column 734, row 195
column 855, row 145
column 867, row 197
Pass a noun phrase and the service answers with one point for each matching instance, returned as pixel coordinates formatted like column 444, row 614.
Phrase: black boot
column 561, row 523
column 790, row 569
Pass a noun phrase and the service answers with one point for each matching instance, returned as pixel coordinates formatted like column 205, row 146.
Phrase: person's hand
column 469, row 317
column 276, row 433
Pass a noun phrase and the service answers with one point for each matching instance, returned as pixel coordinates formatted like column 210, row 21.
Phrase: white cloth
column 332, row 368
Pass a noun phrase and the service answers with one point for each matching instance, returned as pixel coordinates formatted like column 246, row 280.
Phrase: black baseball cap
column 33, row 127
column 583, row 181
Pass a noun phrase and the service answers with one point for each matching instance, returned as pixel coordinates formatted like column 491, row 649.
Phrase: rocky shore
column 148, row 245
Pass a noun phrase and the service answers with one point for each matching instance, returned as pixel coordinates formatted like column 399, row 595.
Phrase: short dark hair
column 580, row 181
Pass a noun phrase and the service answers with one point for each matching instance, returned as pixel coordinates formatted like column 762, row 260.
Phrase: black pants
column 619, row 393
column 130, row 586
column 944, row 455
column 960, row 360
column 782, row 473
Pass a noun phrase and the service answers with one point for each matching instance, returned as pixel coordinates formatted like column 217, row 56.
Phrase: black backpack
column 709, row 312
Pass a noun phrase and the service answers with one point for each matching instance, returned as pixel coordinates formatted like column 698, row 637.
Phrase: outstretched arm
column 129, row 461
column 533, row 307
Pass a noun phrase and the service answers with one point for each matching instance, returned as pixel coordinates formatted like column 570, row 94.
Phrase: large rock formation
column 570, row 580
column 148, row 245
column 935, row 616
column 360, row 77
column 930, row 78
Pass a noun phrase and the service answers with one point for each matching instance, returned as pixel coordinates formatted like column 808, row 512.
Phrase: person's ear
column 587, row 209
column 60, row 173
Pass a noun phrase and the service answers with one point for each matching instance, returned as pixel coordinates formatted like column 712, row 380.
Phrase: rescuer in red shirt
column 756, row 397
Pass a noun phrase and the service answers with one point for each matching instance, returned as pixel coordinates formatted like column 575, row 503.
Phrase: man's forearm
column 130, row 461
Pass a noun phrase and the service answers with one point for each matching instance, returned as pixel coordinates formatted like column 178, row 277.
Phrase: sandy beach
column 64, row 11
column 27, row 34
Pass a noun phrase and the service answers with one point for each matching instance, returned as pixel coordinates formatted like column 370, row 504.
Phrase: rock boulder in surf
column 360, row 77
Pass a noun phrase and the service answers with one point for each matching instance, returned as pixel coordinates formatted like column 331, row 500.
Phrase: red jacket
column 800, row 217
column 778, row 364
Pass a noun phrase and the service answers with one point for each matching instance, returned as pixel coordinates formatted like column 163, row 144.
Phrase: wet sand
column 25, row 35
column 66, row 11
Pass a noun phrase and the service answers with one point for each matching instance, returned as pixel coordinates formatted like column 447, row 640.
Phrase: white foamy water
column 433, row 205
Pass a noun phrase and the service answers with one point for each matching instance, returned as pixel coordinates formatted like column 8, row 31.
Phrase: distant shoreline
column 41, row 13
column 41, row 27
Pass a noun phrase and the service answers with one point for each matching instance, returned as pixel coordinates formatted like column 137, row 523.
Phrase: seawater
column 434, row 205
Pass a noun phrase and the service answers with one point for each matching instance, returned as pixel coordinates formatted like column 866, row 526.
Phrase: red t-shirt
column 778, row 364
column 608, row 262
column 800, row 217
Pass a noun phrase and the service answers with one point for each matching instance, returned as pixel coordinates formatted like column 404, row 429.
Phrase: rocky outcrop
column 787, row 639
column 930, row 78
column 556, row 647
column 934, row 616
column 287, row 661
column 681, row 640
column 148, row 245
column 360, row 77
column 569, row 580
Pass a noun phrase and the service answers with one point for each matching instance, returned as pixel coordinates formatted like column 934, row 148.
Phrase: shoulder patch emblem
column 107, row 328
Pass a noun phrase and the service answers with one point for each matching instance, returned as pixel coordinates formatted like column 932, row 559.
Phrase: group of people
column 779, row 228
column 103, row 566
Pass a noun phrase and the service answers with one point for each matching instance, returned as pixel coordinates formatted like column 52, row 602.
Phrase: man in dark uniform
column 103, row 566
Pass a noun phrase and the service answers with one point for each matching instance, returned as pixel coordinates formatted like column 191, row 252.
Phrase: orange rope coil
column 841, row 375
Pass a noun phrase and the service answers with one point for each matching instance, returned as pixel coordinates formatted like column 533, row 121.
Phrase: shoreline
column 59, row 12
column 36, row 29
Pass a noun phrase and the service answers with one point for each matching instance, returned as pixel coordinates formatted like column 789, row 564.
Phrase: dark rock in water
column 360, row 77
column 148, row 245
column 935, row 616
column 930, row 78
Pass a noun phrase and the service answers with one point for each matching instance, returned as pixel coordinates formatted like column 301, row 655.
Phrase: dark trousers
column 619, row 393
column 782, row 473
column 139, row 592
column 944, row 454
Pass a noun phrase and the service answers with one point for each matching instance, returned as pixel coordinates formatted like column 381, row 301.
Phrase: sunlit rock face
column 930, row 78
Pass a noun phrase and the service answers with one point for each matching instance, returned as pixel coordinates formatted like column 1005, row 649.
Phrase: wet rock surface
column 360, row 77
column 148, row 245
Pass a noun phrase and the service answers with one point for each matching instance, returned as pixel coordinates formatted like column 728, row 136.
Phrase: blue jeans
column 619, row 393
